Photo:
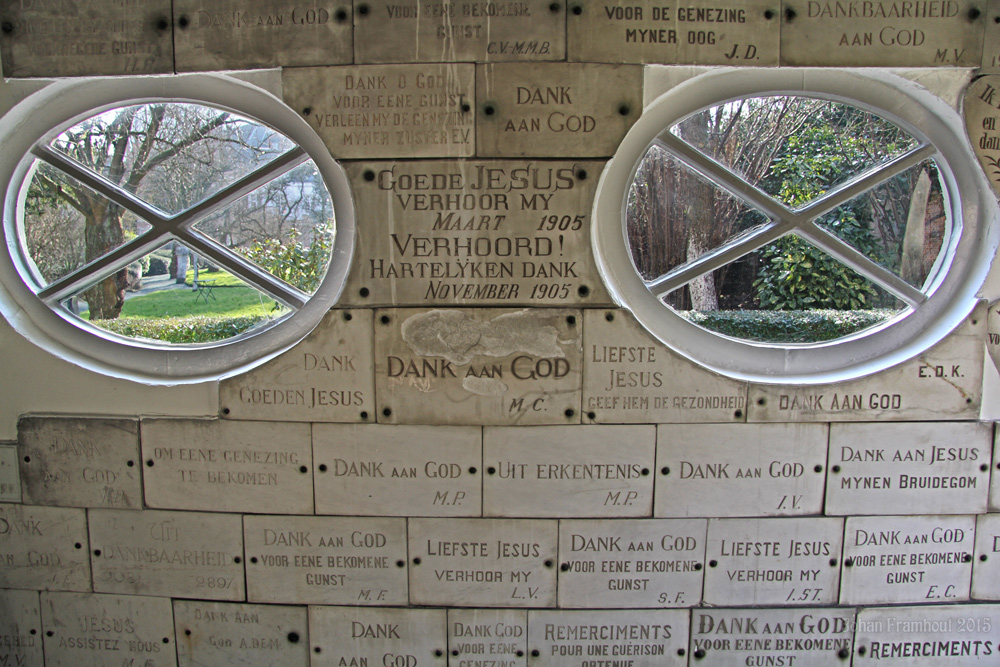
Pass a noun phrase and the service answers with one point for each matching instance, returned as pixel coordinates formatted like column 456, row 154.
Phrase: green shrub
column 787, row 326
column 194, row 329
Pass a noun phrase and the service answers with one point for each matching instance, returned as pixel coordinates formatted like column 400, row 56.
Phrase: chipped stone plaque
column 725, row 470
column 382, row 111
column 44, row 548
column 631, row 563
column 325, row 378
column 181, row 554
column 986, row 561
column 478, row 366
column 84, row 630
column 927, row 636
column 459, row 30
column 882, row 33
column 81, row 38
column 907, row 559
column 568, row 471
column 991, row 44
column 523, row 113
column 702, row 32
column 629, row 377
column 499, row 635
column 801, row 637
column 228, row 466
column 945, row 382
column 504, row 233
column 398, row 470
column 784, row 562
column 247, row 34
column 20, row 628
column 326, row 560
column 483, row 562
column 364, row 636
column 10, row 480
column 80, row 462
column 223, row 633
column 936, row 468
column 651, row 638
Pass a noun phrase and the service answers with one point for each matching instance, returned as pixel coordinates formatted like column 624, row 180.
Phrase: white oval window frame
column 66, row 102
column 973, row 207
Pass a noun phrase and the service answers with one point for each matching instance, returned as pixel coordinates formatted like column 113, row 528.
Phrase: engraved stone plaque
column 907, row 559
column 461, row 30
column 568, row 471
column 524, row 113
column 478, row 366
column 398, row 470
column 20, row 628
column 936, row 468
column 945, row 382
column 784, row 562
column 381, row 111
column 651, row 638
column 502, row 233
column 701, row 32
column 801, row 637
column 629, row 377
column 724, row 470
column 10, row 480
column 80, row 462
column 488, row 635
column 182, row 554
column 986, row 561
column 927, row 636
column 631, row 563
column 81, row 38
column 224, row 633
column 993, row 317
column 982, row 117
column 247, row 34
column 44, row 548
column 945, row 33
column 325, row 378
column 326, row 560
column 991, row 44
column 483, row 562
column 84, row 630
column 365, row 636
column 228, row 466
column 995, row 479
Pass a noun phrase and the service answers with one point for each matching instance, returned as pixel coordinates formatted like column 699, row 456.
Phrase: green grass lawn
column 232, row 299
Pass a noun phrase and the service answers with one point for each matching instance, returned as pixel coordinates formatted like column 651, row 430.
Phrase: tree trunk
column 698, row 207
column 104, row 233
column 912, row 269
column 702, row 288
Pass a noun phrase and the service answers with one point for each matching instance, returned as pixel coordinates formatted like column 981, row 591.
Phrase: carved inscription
column 565, row 471
column 227, row 466
column 488, row 635
column 986, row 562
column 944, row 33
column 80, row 462
column 386, row 111
column 20, row 629
column 483, row 562
column 493, row 233
column 650, row 638
column 699, row 32
column 358, row 636
column 43, row 548
column 10, row 480
column 927, row 636
column 982, row 114
column 221, row 633
column 773, row 561
column 326, row 560
column 907, row 559
column 326, row 377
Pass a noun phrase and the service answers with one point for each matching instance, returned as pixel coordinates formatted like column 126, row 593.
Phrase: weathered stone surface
column 655, row 637
column 727, row 470
column 701, row 32
column 20, row 628
column 384, row 111
column 248, row 34
column 182, row 554
column 326, row 560
column 478, row 366
column 555, row 109
column 465, row 31
column 995, row 480
column 568, row 471
column 630, row 377
column 80, row 462
column 993, row 317
column 981, row 124
column 325, row 378
column 991, row 44
column 927, row 636
column 44, row 548
column 228, row 466
column 489, row 634
column 502, row 232
column 398, row 470
column 483, row 562
column 224, row 633
column 10, row 479
column 986, row 560
column 889, row 560
column 360, row 636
